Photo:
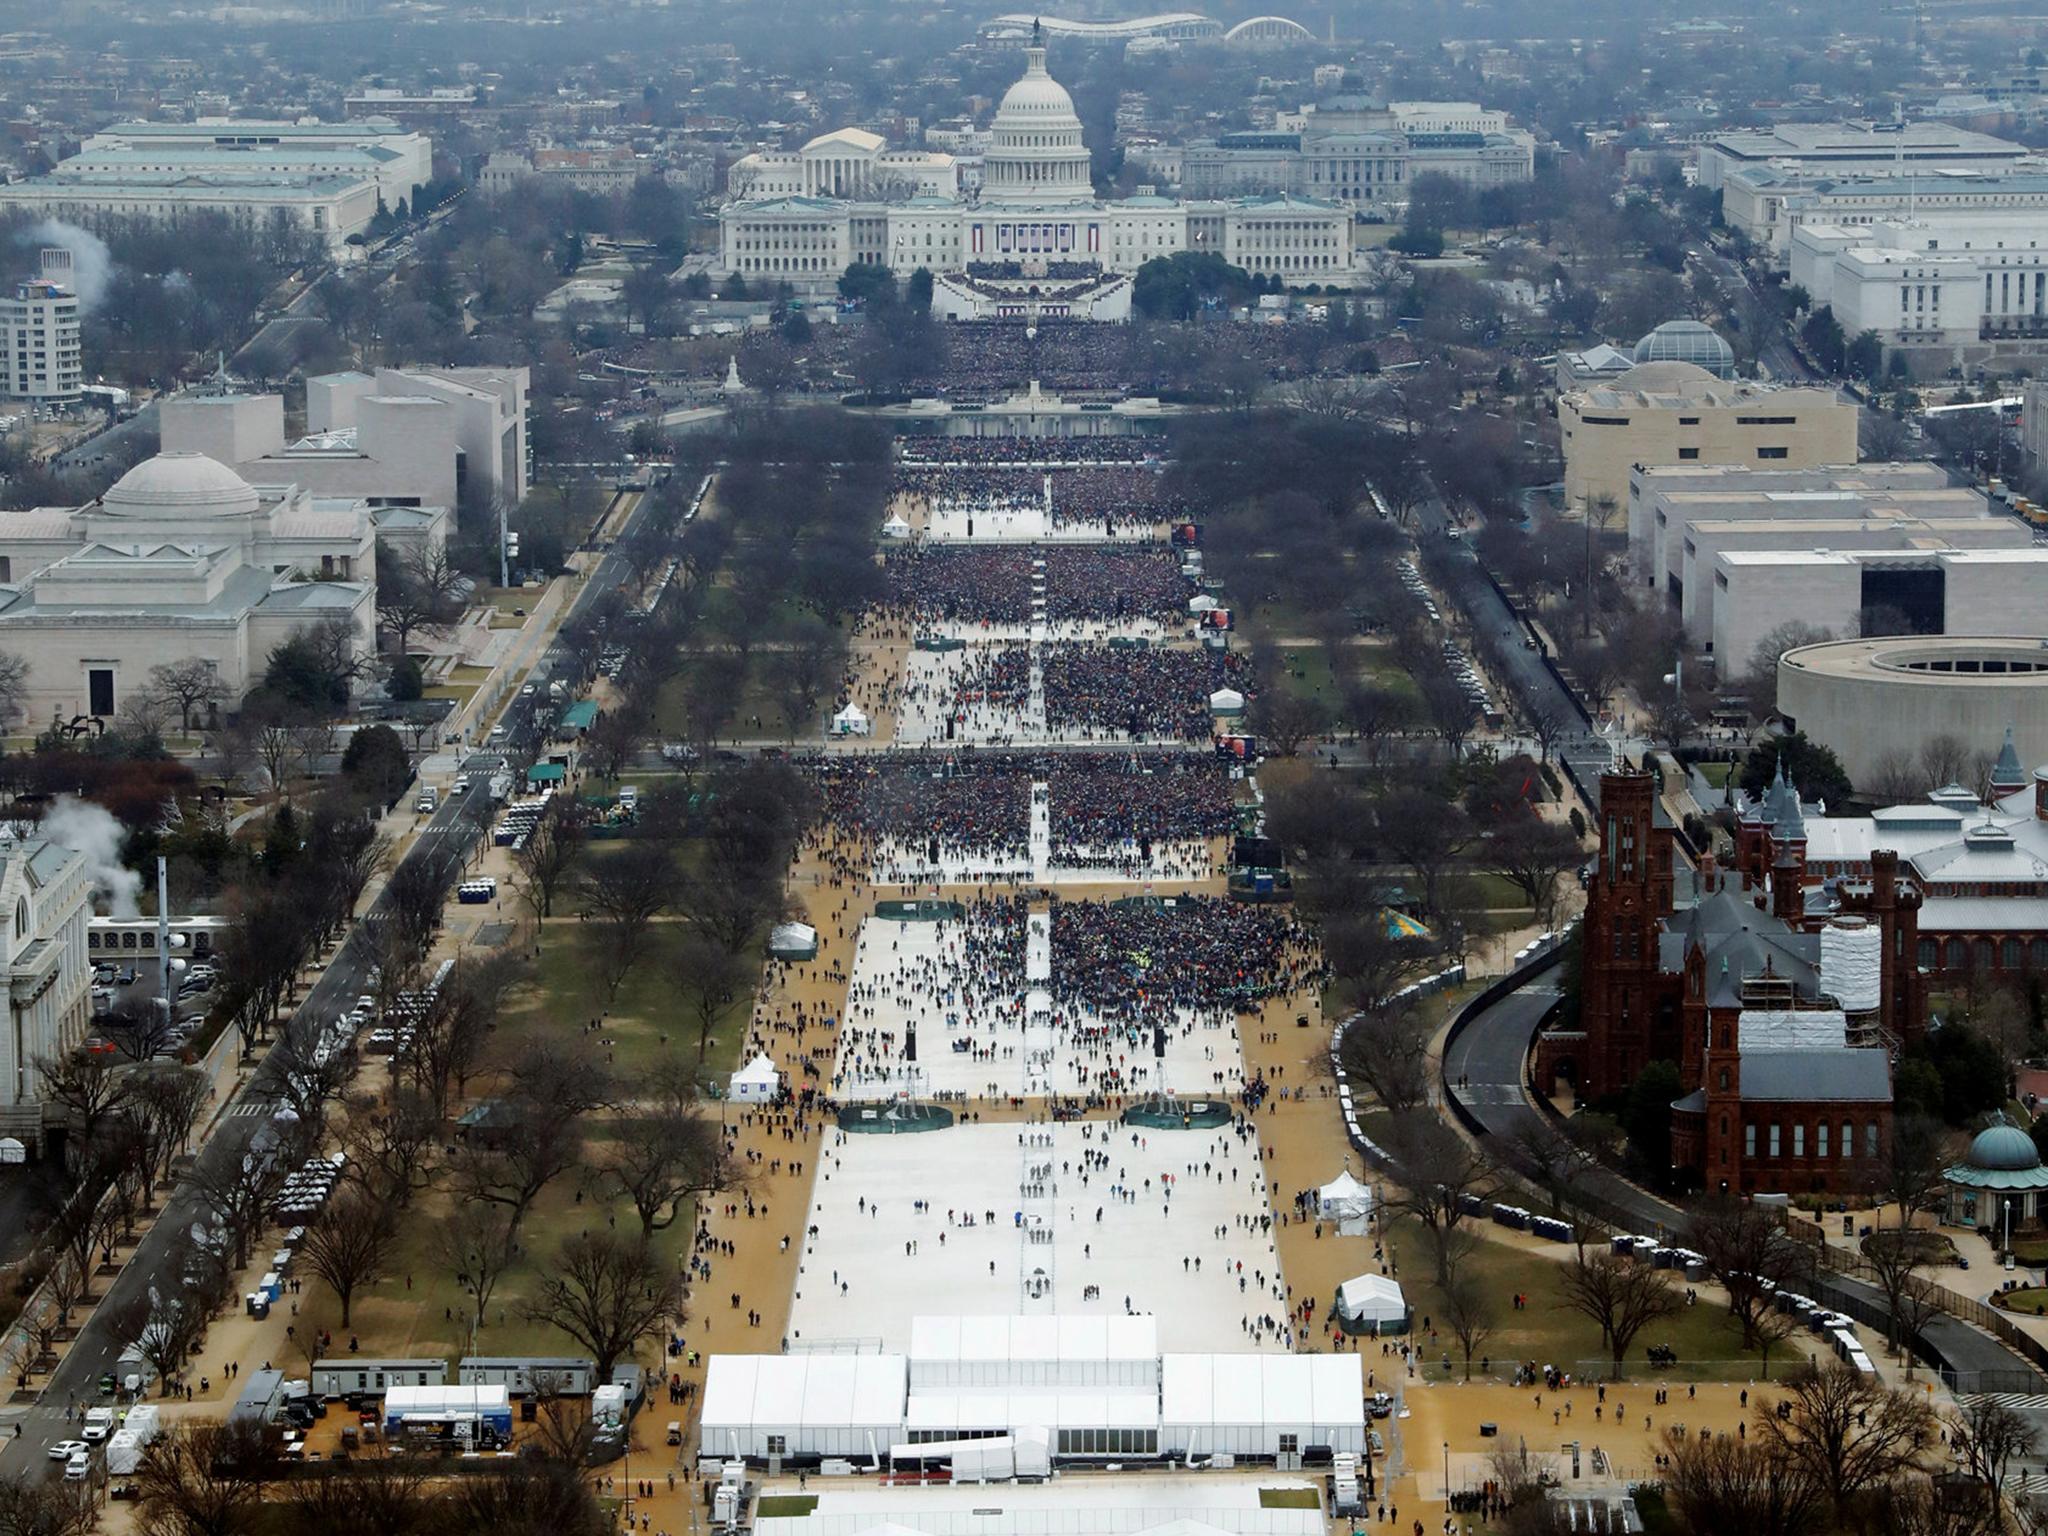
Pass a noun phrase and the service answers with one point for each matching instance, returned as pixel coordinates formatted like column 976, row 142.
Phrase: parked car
column 79, row 1467
column 64, row 1450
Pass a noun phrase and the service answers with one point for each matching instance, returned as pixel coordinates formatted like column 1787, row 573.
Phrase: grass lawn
column 418, row 1310
column 785, row 1505
column 461, row 693
column 1708, row 1340
column 646, row 1024
column 2030, row 1299
column 1289, row 1498
column 757, row 701
column 1716, row 774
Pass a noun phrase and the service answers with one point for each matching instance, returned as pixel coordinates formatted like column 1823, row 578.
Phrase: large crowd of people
column 1190, row 959
column 1040, row 451
column 1146, row 692
column 995, row 584
column 975, row 806
column 1113, row 495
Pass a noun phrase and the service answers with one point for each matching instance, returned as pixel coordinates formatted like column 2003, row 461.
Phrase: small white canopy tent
column 1345, row 1201
column 756, row 1083
column 1226, row 701
column 852, row 721
column 1202, row 603
column 895, row 528
column 1373, row 1301
column 12, row 1151
column 792, row 941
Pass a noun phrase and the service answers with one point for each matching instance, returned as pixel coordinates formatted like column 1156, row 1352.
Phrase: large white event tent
column 1261, row 1405
column 1373, row 1300
column 758, row 1082
column 806, row 1405
column 852, row 721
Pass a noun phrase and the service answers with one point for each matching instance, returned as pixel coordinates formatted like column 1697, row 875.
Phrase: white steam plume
column 92, row 264
column 95, row 833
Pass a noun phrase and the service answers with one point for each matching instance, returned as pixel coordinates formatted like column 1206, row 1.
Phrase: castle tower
column 1629, row 896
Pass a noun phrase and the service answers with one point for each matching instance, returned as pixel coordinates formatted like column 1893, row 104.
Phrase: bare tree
column 1469, row 1310
column 185, row 686
column 1388, row 1051
column 86, row 1089
column 391, row 1145
column 549, row 855
column 203, row 1479
column 1441, row 1175
column 667, row 1157
column 1749, row 1256
column 1621, row 1297
column 1730, row 1483
column 623, row 892
column 478, row 1244
column 1850, row 1433
column 1988, row 1437
column 350, row 1244
column 31, row 1506
column 607, row 1292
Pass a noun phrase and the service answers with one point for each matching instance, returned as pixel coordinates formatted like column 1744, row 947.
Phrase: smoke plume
column 92, row 264
column 96, row 834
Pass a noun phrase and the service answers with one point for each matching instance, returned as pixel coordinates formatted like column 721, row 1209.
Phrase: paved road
column 1776, row 355
column 445, row 841
column 1486, row 1063
column 1465, row 584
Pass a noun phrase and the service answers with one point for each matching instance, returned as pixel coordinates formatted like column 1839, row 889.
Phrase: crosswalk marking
column 2004, row 1399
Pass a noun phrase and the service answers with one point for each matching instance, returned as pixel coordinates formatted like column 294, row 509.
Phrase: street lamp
column 1447, row 1475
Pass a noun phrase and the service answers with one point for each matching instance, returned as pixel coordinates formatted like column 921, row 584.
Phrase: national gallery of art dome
column 1036, row 241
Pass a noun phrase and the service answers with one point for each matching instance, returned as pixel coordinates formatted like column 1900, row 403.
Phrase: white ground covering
column 911, row 973
column 946, row 523
column 865, row 1213
column 1089, row 1506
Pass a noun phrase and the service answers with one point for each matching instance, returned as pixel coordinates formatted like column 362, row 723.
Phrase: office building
column 405, row 437
column 44, row 360
column 47, row 890
column 1678, row 413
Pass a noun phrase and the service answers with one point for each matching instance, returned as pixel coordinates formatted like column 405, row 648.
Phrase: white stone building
column 46, row 894
column 405, row 437
column 1960, row 276
column 181, row 558
column 1769, row 202
column 1036, row 217
column 1842, row 149
column 332, row 207
column 400, row 160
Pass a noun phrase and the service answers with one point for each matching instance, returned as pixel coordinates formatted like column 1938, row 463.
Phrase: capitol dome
column 1036, row 157
column 180, row 484
column 1687, row 341
column 2003, row 1148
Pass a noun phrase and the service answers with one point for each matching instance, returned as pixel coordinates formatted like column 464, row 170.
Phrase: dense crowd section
column 964, row 805
column 1099, row 799
column 980, row 586
column 1031, row 450
column 1115, row 495
column 977, row 804
column 1143, row 691
column 1157, row 961
column 994, row 585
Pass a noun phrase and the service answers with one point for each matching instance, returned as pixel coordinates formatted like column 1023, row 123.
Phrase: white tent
column 792, row 941
column 1202, row 603
column 1226, row 701
column 757, row 1082
column 12, row 1151
column 1372, row 1300
column 1345, row 1201
column 852, row 721
column 816, row 1405
column 1245, row 1403
column 895, row 528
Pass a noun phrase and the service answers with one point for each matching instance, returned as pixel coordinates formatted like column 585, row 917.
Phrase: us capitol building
column 1035, row 242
